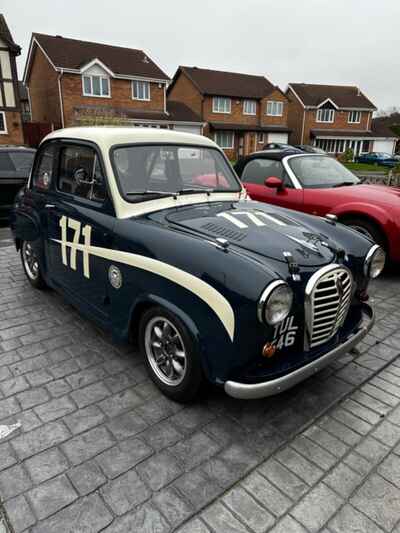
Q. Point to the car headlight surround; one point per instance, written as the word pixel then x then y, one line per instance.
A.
pixel 275 303
pixel 374 262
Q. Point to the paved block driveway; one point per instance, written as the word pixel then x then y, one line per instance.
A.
pixel 100 449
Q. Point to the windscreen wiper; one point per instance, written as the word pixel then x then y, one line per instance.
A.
pixel 344 183
pixel 194 190
pixel 159 193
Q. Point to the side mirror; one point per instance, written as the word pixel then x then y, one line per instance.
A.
pixel 274 183
pixel 81 177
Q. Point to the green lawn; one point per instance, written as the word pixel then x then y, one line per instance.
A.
pixel 359 167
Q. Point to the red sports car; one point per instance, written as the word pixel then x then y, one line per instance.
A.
pixel 319 185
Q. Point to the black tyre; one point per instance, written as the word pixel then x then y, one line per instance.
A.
pixel 31 265
pixel 367 228
pixel 170 354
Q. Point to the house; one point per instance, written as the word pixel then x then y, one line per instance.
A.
pixel 72 82
pixel 241 112
pixel 334 118
pixel 389 126
pixel 10 114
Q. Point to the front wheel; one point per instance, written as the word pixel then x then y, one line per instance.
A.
pixel 170 354
pixel 31 265
pixel 367 228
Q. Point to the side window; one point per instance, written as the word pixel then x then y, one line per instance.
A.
pixel 80 173
pixel 44 168
pixel 257 170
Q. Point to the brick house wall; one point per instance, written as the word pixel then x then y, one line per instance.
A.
pixel 44 91
pixel 295 118
pixel 236 116
pixel 267 120
pixel 14 133
pixel 121 97
pixel 185 91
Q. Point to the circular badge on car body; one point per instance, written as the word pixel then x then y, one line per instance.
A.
pixel 115 277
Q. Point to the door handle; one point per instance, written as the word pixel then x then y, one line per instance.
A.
pixel 49 206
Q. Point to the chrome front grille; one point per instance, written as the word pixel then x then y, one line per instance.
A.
pixel 328 298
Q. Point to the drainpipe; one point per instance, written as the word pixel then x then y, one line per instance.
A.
pixel 60 97
pixel 302 128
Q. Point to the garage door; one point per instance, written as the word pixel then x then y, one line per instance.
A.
pixel 278 138
pixel 384 145
pixel 189 129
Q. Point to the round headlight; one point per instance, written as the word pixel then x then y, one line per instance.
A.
pixel 374 262
pixel 275 303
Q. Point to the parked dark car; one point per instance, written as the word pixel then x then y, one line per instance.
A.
pixel 378 158
pixel 309 149
pixel 15 166
pixel 278 146
pixel 151 234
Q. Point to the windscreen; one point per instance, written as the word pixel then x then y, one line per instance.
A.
pixel 171 169
pixel 16 164
pixel 318 172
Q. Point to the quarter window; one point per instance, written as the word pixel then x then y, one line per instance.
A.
pixel 3 124
pixel 96 86
pixel 80 173
pixel 43 172
pixel 258 170
pixel 274 109
pixel 221 105
pixel 249 107
pixel 224 139
pixel 325 115
pixel 140 90
pixel 354 117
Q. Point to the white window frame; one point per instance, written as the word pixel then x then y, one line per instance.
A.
pixel 224 132
pixel 331 115
pixel 274 108
pixel 5 131
pixel 145 84
pixel 260 137
pixel 351 117
pixel 217 108
pixel 250 103
pixel 91 76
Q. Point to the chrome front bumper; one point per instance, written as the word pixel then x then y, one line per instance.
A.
pixel 247 391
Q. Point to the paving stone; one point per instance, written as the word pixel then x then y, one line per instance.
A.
pixel 288 525
pixel 125 493
pixel 127 425
pixel 90 394
pixel 317 507
pixel 64 369
pixel 159 470
pixel 354 374
pixel 123 401
pixel 7 456
pixel 33 397
pixel 390 469
pixel 11 386
pixel 86 377
pixel 8 407
pixel 372 403
pixel 387 433
pixel 358 463
pixel 58 388
pixel 379 500
pixel 349 520
pixel 326 440
pixel 283 478
pixel 261 489
pixel 220 471
pixel 146 519
pixel 220 519
pixel 197 488
pixel 87 477
pixel 123 457
pixel 14 481
pixel 248 510
pixel 339 430
pixel 318 455
pixel 38 440
pixel 19 513
pixel 361 411
pixel 46 465
pixel 192 418
pixel 39 377
pixel 161 435
pixel 86 515
pixel 343 480
pixel 54 409
pixel 172 506
pixel 299 465
pixel 194 526
pixel 155 410
pixel 87 445
pixel 224 430
pixel 195 449
pixel 386 386
pixel 51 496
pixel 84 419
pixel 353 422
pixel 394 416
pixel 372 449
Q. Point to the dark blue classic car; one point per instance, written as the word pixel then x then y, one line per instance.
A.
pixel 150 234
pixel 378 158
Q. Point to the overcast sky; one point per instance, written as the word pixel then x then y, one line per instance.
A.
pixel 353 42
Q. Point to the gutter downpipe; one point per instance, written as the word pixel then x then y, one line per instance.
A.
pixel 60 97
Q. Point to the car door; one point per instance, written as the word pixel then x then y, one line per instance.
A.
pixel 80 218
pixel 254 174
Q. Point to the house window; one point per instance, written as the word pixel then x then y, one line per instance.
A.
pixel 3 124
pixel 221 105
pixel 325 115
pixel 96 86
pixel 140 90
pixel 260 138
pixel 274 109
pixel 224 139
pixel 249 107
pixel 354 117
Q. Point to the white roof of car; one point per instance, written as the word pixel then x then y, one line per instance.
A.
pixel 107 136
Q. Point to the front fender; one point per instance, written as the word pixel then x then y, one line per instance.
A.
pixel 376 213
